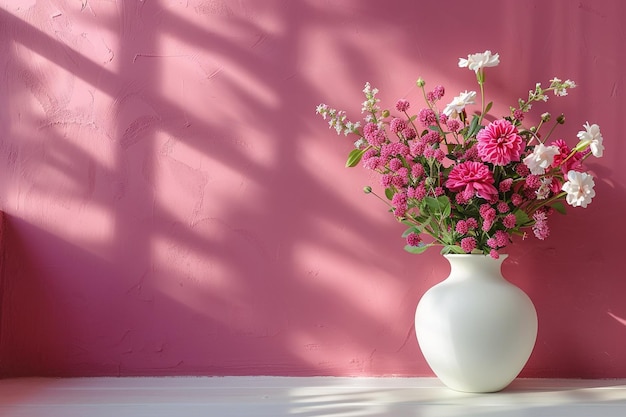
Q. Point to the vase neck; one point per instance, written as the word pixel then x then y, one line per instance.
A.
pixel 475 267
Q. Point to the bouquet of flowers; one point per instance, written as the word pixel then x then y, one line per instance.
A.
pixel 468 183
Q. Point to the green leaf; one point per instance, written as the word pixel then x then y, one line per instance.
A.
pixel 452 249
pixel 416 249
pixel 354 157
pixel 412 229
pixel 433 204
pixel 444 205
pixel 389 193
pixel 521 218
pixel 558 206
pixel 474 127
pixel 423 220
pixel 436 128
pixel 489 105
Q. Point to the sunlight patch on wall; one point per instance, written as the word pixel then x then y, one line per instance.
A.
pixel 360 286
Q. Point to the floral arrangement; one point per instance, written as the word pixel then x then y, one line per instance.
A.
pixel 470 184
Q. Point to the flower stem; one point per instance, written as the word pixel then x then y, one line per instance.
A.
pixel 481 82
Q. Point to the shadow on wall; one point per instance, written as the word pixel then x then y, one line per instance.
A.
pixel 170 212
pixel 168 223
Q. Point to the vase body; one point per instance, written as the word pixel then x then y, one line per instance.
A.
pixel 475 329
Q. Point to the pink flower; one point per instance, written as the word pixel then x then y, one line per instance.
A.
pixel 403 172
pixel 487 212
pixel 462 199
pixel 440 155
pixel 499 143
pixel 454 125
pixel 439 92
pixel 472 177
pixel 503 207
pixel 555 186
pixel 399 201
pixel 502 238
pixel 372 152
pixel 509 221
pixel 374 135
pixel 517 199
pixel 395 164
pixel 540 228
pixel 505 185
pixel 468 244
pixel 397 125
pixel 417 170
pixel 573 163
pixel 522 170
pixel 461 227
pixel 372 163
pixel 436 94
pixel 413 239
pixel 393 149
pixel 471 154
pixel 409 133
pixel 432 137
pixel 402 105
pixel 400 179
pixel 429 152
pixel 532 181
pixel 417 148
pixel 427 117
pixel 420 192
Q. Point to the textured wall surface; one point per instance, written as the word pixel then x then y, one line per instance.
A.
pixel 174 205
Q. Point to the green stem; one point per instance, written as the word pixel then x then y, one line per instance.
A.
pixel 381 199
pixel 481 82
pixel 534 208
pixel 550 132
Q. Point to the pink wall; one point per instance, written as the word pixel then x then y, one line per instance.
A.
pixel 174 206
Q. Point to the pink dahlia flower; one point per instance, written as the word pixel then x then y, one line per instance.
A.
pixel 561 159
pixel 472 177
pixel 499 143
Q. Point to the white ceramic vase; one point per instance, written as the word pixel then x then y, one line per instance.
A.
pixel 476 329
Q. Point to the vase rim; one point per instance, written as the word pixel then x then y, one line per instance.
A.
pixel 462 255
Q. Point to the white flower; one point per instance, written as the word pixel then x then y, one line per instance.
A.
pixel 477 61
pixel 543 191
pixel 360 144
pixel 459 102
pixel 579 189
pixel 322 109
pixel 368 90
pixel 541 158
pixel 561 87
pixel 351 127
pixel 591 137
pixel 370 104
